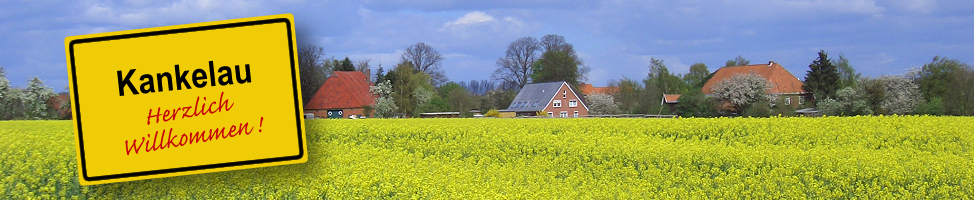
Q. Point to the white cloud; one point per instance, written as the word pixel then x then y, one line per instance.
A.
pixel 914 6
pixel 475 17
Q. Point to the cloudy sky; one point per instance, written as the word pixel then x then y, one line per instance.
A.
pixel 615 38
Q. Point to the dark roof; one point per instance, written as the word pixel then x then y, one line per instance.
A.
pixel 783 82
pixel 343 89
pixel 536 96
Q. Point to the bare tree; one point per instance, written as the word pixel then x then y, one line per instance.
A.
pixel 426 59
pixel 552 42
pixel 312 63
pixel 515 67
pixel 362 66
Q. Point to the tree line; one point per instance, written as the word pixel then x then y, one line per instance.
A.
pixel 36 102
pixel 417 83
pixel 941 87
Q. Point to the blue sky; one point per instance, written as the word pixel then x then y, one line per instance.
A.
pixel 615 38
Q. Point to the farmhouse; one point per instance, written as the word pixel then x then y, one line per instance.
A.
pixel 588 89
pixel 785 85
pixel 344 94
pixel 556 99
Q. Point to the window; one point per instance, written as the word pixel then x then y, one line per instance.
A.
pixel 557 104
pixel 563 114
pixel 801 101
pixel 550 114
pixel 576 113
pixel 572 103
pixel 787 100
pixel 535 104
pixel 564 94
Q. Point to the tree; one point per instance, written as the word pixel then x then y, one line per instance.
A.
pixel 380 75
pixel 4 84
pixel 949 80
pixel 934 106
pixel 742 90
pixel 698 72
pixel 661 77
pixel 902 95
pixel 411 89
pixel 695 104
pixel 553 43
pixel 402 87
pixel 555 66
pixel 739 61
pixel 427 60
pixel 850 102
pixel 629 95
pixel 961 100
pixel 37 96
pixel 460 101
pixel 822 78
pixel 362 65
pixel 313 70
pixel 384 105
pixel 874 92
pixel 515 67
pixel 602 104
pixel 10 98
pixel 345 65
pixel 497 99
pixel 847 74
pixel 456 98
pixel 479 88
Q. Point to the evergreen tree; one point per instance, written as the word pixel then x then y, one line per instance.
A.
pixel 345 65
pixel 822 78
pixel 380 75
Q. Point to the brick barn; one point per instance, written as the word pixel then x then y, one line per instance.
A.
pixel 344 94
pixel 557 99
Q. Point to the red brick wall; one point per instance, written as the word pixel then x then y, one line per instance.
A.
pixel 569 95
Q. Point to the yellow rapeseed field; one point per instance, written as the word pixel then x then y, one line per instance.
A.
pixel 886 157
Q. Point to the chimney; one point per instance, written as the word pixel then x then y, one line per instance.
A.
pixel 770 63
pixel 368 75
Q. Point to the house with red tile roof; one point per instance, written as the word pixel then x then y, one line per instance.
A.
pixel 670 100
pixel 588 89
pixel 783 83
pixel 344 94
